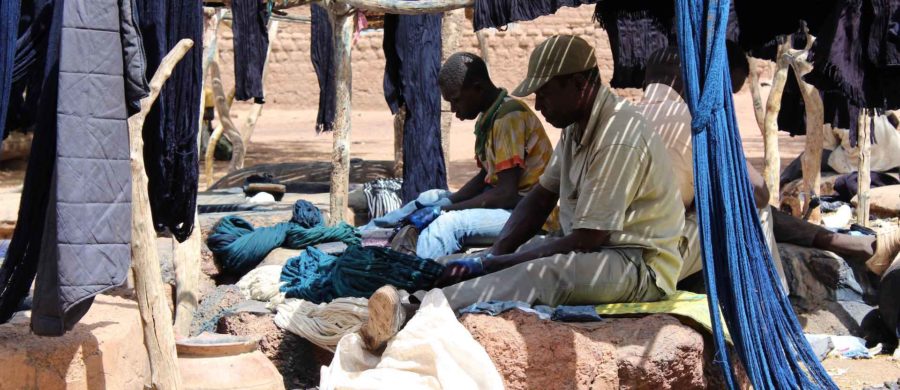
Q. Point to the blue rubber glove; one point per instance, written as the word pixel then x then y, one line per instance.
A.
pixel 424 216
pixel 460 270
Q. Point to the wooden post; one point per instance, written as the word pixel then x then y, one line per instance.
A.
pixel 815 121
pixel 450 33
pixel 399 122
pixel 224 111
pixel 343 20
pixel 159 337
pixel 758 108
pixel 863 143
pixel 186 258
pixel 772 169
pixel 214 138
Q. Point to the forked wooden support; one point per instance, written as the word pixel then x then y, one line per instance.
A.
pixel 758 110
pixel 343 21
pixel 815 121
pixel 863 143
pixel 223 109
pixel 159 336
pixel 773 106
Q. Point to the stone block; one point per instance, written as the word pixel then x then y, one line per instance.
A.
pixel 105 350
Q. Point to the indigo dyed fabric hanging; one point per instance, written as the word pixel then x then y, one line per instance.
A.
pixel 636 29
pixel 9 31
pixel 412 48
pixel 322 55
pixel 251 41
pixel 741 279
pixel 171 127
pixel 499 13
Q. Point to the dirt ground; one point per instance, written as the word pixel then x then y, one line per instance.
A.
pixel 863 373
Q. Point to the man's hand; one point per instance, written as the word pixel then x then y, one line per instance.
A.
pixel 459 271
pixel 423 217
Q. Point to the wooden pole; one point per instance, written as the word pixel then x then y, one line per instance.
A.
pixel 208 165
pixel 863 143
pixel 758 108
pixel 815 121
pixel 399 122
pixel 773 106
pixel 224 111
pixel 343 20
pixel 450 33
pixel 404 7
pixel 159 337
pixel 187 280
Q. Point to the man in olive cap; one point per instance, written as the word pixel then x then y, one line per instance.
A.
pixel 620 208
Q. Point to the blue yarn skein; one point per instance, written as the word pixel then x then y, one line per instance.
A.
pixel 238 247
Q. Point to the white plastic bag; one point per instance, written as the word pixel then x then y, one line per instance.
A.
pixel 433 351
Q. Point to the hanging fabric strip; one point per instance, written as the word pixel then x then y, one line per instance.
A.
pixel 321 53
pixel 636 29
pixel 499 13
pixel 251 41
pixel 412 47
pixel 171 127
pixel 9 31
pixel 742 283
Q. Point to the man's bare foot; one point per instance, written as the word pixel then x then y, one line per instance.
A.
pixel 386 316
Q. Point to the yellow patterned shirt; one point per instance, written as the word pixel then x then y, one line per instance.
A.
pixel 517 139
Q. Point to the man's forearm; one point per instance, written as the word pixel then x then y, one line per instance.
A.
pixel 494 198
pixel 576 242
pixel 471 189
pixel 526 220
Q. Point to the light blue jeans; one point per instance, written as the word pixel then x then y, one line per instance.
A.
pixel 448 232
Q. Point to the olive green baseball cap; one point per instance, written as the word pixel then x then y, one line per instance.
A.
pixel 558 55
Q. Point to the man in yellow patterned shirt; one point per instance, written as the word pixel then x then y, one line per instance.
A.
pixel 511 148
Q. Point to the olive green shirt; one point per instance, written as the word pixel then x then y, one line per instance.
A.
pixel 615 175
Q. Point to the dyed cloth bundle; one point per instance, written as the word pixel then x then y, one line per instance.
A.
pixel 171 127
pixel 383 196
pixel 321 52
pixel 412 51
pixel 251 41
pixel 238 247
pixel 318 277
pixel 499 13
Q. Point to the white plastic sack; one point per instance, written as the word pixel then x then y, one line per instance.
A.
pixel 433 351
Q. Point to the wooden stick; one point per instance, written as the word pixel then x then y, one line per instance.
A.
pixel 758 108
pixel 343 21
pixel 399 122
pixel 865 170
pixel 256 109
pixel 815 121
pixel 773 106
pixel 208 165
pixel 159 337
pixel 187 280
pixel 224 111
pixel 450 33
pixel 403 7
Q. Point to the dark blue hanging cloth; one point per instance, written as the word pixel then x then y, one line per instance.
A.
pixel 499 13
pixel 321 53
pixel 9 31
pixel 171 127
pixel 251 41
pixel 73 233
pixel 412 49
pixel 636 29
